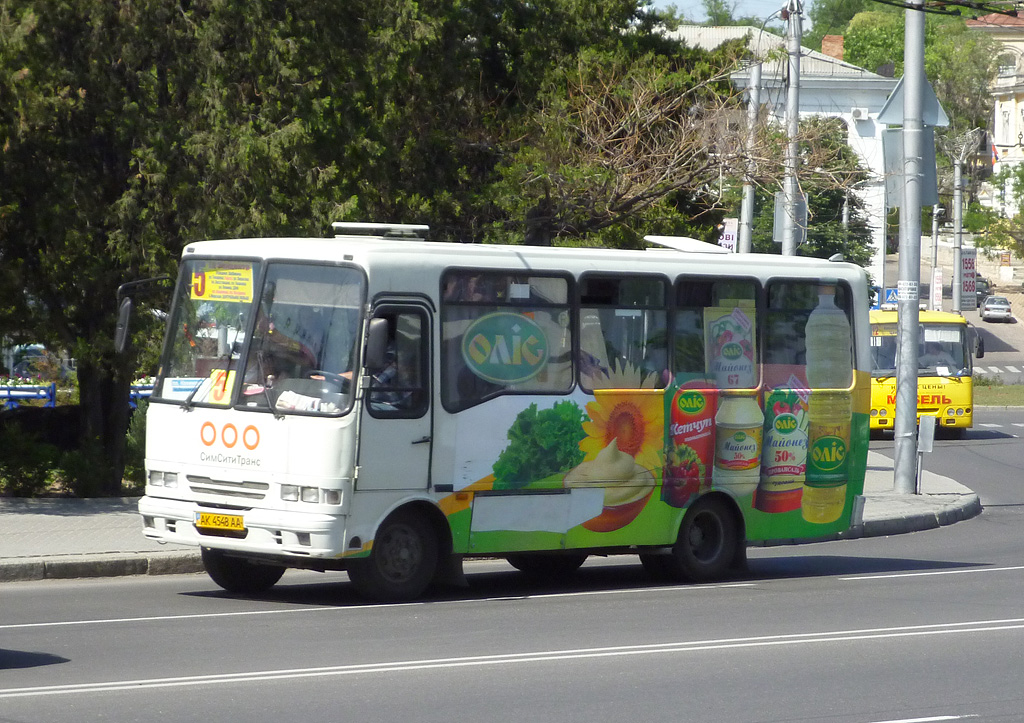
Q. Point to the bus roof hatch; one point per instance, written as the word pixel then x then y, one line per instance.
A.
pixel 408 231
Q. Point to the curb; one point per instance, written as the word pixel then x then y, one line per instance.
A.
pixel 949 509
pixel 946 513
pixel 65 567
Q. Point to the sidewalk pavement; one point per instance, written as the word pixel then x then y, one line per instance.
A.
pixel 71 538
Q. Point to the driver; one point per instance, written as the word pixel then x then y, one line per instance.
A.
pixel 936 356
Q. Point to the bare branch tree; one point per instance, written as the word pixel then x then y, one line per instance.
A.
pixel 621 139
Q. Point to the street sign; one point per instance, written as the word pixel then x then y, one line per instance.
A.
pixel 891 296
pixel 968 289
pixel 936 289
pixel 730 228
pixel 932 112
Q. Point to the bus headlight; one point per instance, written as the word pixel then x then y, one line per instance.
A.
pixel 289 493
pixel 310 494
pixel 163 479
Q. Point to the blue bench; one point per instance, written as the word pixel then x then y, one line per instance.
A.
pixel 13 395
pixel 139 392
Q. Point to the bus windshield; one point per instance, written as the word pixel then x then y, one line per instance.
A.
pixel 942 350
pixel 304 323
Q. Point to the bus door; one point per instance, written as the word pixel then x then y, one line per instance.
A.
pixel 396 426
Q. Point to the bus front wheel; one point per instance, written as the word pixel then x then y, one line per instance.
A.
pixel 402 562
pixel 707 543
pixel 238 575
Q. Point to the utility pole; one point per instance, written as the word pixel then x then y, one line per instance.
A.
pixel 747 209
pixel 958 236
pixel 959 149
pixel 793 12
pixel 909 280
pixel 936 212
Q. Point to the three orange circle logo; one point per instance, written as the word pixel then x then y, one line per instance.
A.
pixel 229 435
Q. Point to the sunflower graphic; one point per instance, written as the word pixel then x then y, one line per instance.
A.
pixel 635 420
pixel 622 448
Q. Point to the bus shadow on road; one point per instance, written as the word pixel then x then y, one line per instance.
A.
pixel 12 659
pixel 595 577
pixel 797 566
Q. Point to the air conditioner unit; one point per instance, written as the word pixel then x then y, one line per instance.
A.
pixel 859 114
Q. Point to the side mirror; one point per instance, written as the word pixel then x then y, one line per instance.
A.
pixel 122 333
pixel 376 345
pixel 981 348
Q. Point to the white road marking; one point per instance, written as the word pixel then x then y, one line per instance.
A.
pixel 371 606
pixel 1015 370
pixel 928 720
pixel 539 656
pixel 933 573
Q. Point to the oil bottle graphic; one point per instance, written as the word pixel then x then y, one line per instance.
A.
pixel 829 374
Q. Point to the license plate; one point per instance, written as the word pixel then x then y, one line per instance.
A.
pixel 218 521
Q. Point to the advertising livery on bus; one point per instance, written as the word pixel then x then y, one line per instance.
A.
pixel 945 382
pixel 387 406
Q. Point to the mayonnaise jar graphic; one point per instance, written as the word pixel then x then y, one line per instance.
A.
pixel 784 454
pixel 738 429
pixel 729 345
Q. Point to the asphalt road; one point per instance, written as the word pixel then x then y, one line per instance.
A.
pixel 1004 349
pixel 926 626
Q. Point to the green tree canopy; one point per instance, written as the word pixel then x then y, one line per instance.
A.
pixel 129 129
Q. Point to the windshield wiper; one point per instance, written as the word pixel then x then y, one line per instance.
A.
pixel 266 392
pixel 226 359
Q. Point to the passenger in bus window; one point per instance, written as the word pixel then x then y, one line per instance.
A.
pixel 392 385
pixel 464 287
pixel 936 356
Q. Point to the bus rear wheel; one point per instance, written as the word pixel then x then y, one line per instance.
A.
pixel 402 562
pixel 543 566
pixel 707 542
pixel 706 548
pixel 238 575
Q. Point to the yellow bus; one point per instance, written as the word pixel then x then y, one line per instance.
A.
pixel 945 384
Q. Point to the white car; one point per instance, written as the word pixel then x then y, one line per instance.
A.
pixel 996 308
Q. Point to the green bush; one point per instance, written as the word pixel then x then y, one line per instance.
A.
pixel 135 449
pixel 85 471
pixel 28 467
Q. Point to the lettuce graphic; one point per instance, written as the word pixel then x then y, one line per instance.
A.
pixel 541 443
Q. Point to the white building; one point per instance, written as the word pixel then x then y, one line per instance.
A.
pixel 828 87
pixel 1007 131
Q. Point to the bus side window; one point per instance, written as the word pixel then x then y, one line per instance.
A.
pixel 399 389
pixel 623 332
pixel 503 333
pixel 790 304
pixel 715 332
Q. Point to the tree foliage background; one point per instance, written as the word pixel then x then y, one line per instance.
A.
pixel 129 128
